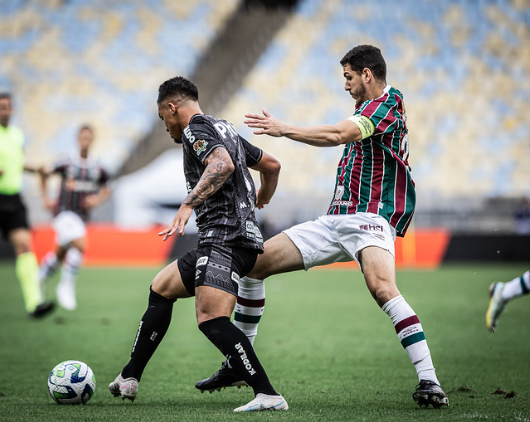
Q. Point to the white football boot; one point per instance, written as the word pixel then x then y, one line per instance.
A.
pixel 264 402
pixel 127 388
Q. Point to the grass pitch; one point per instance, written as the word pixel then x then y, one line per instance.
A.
pixel 326 346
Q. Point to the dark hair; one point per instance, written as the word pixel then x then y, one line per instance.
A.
pixel 366 56
pixel 5 96
pixel 177 87
pixel 85 127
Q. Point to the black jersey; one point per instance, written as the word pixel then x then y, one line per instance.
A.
pixel 227 217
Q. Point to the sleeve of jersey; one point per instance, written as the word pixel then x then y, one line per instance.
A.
pixel 380 113
pixel 253 154
pixel 365 125
pixel 203 144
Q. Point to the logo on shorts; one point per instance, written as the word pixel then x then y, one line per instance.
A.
pixel 371 227
pixel 203 260
pixel 235 277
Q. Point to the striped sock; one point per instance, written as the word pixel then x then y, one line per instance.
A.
pixel 411 336
pixel 250 306
pixel 517 287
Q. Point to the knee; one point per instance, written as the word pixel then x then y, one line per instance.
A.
pixel 382 291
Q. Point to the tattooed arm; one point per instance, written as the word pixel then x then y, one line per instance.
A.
pixel 219 167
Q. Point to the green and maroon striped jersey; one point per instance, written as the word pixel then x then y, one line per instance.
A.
pixel 373 174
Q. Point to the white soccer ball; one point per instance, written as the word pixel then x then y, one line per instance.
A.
pixel 71 382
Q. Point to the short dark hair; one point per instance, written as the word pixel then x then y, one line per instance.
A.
pixel 86 126
pixel 177 87
pixel 6 96
pixel 366 56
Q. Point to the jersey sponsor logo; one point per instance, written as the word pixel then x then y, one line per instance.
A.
pixel 342 203
pixel 203 260
pixel 371 227
pixel 244 359
pixel 225 128
pixel 200 146
pixel 253 231
pixel 189 135
pixel 73 185
pixel 235 277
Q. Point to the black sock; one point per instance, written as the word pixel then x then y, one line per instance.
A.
pixel 153 327
pixel 231 341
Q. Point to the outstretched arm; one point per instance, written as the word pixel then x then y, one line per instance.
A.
pixel 219 167
pixel 269 168
pixel 319 136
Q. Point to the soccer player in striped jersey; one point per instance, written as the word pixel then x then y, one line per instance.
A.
pixel 502 293
pixel 373 201
pixel 83 186
pixel 13 219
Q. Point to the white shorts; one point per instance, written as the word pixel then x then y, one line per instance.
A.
pixel 340 238
pixel 68 226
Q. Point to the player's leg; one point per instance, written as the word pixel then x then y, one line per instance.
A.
pixel 27 270
pixel 166 287
pixel 70 234
pixel 216 288
pixel 378 267
pixel 502 293
pixel 280 255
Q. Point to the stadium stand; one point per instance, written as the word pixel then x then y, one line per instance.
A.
pixel 463 66
pixel 97 61
pixel 69 62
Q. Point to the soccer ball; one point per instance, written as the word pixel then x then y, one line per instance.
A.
pixel 71 382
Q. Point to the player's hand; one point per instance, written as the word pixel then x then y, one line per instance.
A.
pixel 91 201
pixel 261 202
pixel 267 124
pixel 49 204
pixel 178 223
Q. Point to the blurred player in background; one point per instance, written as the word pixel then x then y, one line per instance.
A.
pixel 13 219
pixel 83 186
pixel 223 195
pixel 374 201
pixel 501 294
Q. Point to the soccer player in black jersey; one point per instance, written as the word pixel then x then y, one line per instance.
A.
pixel 223 195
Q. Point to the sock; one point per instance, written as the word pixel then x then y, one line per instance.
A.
pixel 250 306
pixel 66 287
pixel 48 266
pixel 411 336
pixel 517 287
pixel 153 328
pixel 232 343
pixel 27 270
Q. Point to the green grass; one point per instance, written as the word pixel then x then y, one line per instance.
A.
pixel 326 346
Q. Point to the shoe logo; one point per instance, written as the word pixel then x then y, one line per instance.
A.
pixel 243 356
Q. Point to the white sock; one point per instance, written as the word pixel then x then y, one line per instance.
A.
pixel 48 266
pixel 66 287
pixel 411 336
pixel 517 287
pixel 250 306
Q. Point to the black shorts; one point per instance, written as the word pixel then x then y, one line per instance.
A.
pixel 216 266
pixel 12 214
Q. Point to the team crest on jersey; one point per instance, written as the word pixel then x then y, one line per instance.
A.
pixel 339 192
pixel 200 146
